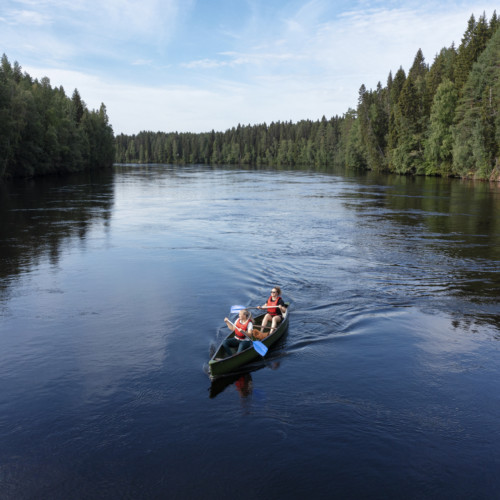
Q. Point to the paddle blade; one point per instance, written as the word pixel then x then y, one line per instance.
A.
pixel 260 347
pixel 235 309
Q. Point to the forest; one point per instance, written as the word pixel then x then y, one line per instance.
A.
pixel 43 131
pixel 441 119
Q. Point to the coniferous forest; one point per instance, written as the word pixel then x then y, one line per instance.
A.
pixel 43 131
pixel 440 119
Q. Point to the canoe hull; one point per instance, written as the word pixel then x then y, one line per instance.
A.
pixel 231 364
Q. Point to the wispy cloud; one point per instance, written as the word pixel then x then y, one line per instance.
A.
pixel 234 59
pixel 205 64
pixel 91 27
pixel 26 18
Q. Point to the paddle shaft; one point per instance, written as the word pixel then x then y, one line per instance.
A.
pixel 258 327
pixel 235 309
pixel 263 307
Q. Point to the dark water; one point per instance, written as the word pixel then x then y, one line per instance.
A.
pixel 113 290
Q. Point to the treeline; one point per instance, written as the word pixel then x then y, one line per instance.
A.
pixel 442 119
pixel 43 131
pixel 281 143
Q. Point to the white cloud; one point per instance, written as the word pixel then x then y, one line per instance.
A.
pixel 27 18
pixel 205 64
pixel 91 27
pixel 234 59
pixel 149 18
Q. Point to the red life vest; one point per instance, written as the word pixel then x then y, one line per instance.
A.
pixel 241 326
pixel 273 311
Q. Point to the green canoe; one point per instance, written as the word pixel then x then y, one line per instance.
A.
pixel 221 364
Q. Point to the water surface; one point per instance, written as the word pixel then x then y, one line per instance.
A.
pixel 113 291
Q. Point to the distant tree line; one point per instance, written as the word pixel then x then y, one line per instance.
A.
pixel 44 131
pixel 281 143
pixel 442 119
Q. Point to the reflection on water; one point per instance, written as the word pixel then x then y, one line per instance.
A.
pixel 241 382
pixel 433 237
pixel 39 215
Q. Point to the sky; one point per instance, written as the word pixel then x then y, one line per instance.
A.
pixel 201 65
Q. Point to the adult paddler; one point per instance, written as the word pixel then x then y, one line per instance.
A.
pixel 242 329
pixel 275 310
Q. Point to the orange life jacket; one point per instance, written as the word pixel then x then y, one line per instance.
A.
pixel 241 326
pixel 273 311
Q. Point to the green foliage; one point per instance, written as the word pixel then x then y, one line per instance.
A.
pixel 441 69
pixel 439 143
pixel 353 151
pixel 373 115
pixel 410 114
pixel 473 43
pixel 277 144
pixel 477 131
pixel 43 131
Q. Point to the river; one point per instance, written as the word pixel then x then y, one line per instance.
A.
pixel 113 290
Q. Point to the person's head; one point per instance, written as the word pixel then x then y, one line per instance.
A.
pixel 275 291
pixel 244 314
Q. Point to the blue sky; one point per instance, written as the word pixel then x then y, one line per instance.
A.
pixel 194 66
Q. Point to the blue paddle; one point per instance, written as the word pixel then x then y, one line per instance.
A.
pixel 257 345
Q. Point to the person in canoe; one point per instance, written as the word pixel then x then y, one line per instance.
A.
pixel 244 324
pixel 275 310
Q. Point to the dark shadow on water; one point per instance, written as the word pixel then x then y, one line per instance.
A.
pixel 242 380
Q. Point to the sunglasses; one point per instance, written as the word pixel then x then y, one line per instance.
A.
pixel 274 291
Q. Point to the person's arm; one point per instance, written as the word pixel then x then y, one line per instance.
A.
pixel 282 306
pixel 229 325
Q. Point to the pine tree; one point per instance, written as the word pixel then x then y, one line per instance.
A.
pixel 78 106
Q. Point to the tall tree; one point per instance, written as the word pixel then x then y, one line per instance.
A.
pixel 477 130
pixel 438 146
pixel 78 106
pixel 473 43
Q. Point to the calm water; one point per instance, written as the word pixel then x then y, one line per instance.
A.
pixel 113 291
